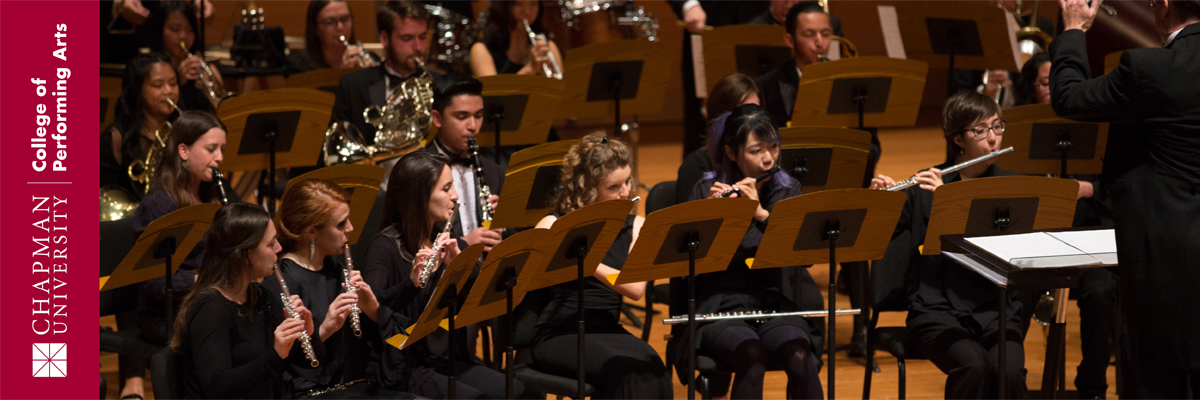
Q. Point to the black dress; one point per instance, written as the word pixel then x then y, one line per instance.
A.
pixel 114 172
pixel 954 312
pixel 318 289
pixel 228 351
pixel 617 363
pixel 500 58
pixel 422 367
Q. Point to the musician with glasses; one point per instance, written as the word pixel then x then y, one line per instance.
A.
pixel 953 316
pixel 174 22
pixel 505 48
pixel 403 31
pixel 327 22
pixel 747 147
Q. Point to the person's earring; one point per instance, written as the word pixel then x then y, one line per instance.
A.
pixel 312 249
pixel 185 164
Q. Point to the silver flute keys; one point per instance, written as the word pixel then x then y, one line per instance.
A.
pixel 427 269
pixel 482 191
pixel 355 322
pixel 913 179
pixel 552 70
pixel 286 296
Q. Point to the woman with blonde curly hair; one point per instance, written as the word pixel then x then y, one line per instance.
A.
pixel 617 363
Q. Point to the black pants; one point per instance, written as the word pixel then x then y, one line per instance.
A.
pixel 618 365
pixel 472 381
pixel 1097 297
pixel 752 350
pixel 969 360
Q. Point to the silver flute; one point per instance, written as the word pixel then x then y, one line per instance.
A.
pixel 482 191
pixel 305 341
pixel 904 184
pixel 552 70
pixel 427 269
pixel 754 315
pixel 354 311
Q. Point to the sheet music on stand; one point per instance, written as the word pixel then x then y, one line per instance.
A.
pixel 1052 249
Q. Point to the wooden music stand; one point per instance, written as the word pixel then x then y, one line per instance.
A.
pixel 581 239
pixel 442 306
pixel 809 229
pixel 185 226
pixel 532 175
pixel 998 206
pixel 1043 143
pixel 1112 60
pixel 825 158
pixel 276 128
pixel 749 49
pixel 860 92
pixel 688 239
pixel 599 79
pixel 521 107
pixel 500 278
pixel 953 34
pixel 362 181
pixel 325 79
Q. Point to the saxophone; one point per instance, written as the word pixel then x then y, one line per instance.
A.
pixel 482 191
pixel 427 269
pixel 354 311
pixel 305 341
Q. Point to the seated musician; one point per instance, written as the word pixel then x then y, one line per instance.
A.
pixel 953 317
pixel 747 147
pixel 731 91
pixel 777 11
pixel 617 364
pixel 326 23
pixel 403 30
pixel 808 36
pixel 232 335
pixel 174 22
pixel 458 114
pixel 142 109
pixel 505 48
pixel 393 267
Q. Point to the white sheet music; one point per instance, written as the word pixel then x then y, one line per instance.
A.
pixel 890 24
pixel 1034 250
pixel 1101 244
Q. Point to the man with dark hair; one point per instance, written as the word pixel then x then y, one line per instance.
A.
pixel 808 35
pixel 403 29
pixel 777 12
pixel 458 114
pixel 1152 175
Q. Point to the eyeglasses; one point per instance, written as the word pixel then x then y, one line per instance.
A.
pixel 979 133
pixel 331 21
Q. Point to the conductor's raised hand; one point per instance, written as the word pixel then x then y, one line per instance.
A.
pixel 1079 14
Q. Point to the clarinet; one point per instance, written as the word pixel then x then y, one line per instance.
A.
pixel 219 179
pixel 427 269
pixel 354 311
pixel 482 191
pixel 305 342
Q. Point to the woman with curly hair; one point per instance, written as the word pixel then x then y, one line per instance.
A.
pixel 617 363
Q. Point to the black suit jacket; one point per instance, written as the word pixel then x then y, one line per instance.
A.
pixel 778 87
pixel 492 175
pixel 1152 173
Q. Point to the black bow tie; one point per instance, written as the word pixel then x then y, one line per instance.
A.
pixel 463 161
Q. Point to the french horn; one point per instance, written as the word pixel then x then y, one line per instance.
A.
pixel 400 124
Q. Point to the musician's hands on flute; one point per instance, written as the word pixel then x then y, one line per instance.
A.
pixel 335 317
pixel 289 330
pixel 367 302
pixel 882 182
pixel 1078 14
pixel 929 179
pixel 449 251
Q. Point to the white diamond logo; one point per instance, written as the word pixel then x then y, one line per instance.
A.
pixel 49 360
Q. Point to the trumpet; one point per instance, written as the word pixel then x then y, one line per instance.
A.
pixel 214 89
pixel 427 269
pixel 362 55
pixel 305 341
pixel 355 322
pixel 482 190
pixel 552 70
pixel 913 179
pixel 149 166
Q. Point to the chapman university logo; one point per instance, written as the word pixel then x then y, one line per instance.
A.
pixel 49 360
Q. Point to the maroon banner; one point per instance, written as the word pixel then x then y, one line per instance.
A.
pixel 49 102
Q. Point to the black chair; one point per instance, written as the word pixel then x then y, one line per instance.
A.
pixel 888 292
pixel 165 374
pixel 661 196
pixel 127 340
pixel 525 317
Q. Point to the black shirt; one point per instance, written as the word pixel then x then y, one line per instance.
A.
pixel 228 351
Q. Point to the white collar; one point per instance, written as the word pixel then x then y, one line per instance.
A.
pixel 1171 38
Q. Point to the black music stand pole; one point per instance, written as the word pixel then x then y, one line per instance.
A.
pixel 578 251
pixel 832 230
pixel 271 136
pixel 616 91
pixel 692 244
pixel 166 248
pixel 509 281
pixel 497 116
pixel 450 301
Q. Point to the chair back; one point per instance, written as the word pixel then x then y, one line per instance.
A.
pixel 661 196
pixel 889 275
